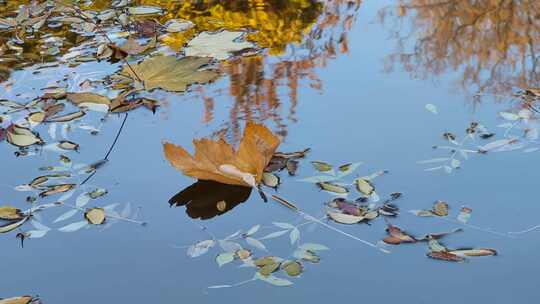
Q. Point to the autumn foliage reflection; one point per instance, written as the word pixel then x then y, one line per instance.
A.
pixel 492 44
pixel 265 86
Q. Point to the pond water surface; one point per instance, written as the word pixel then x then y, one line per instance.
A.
pixel 349 80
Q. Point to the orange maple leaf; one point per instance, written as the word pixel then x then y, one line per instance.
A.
pixel 218 161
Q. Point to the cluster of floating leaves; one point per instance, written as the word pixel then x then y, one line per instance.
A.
pixel 518 131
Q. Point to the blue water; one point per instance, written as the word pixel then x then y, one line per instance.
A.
pixel 361 114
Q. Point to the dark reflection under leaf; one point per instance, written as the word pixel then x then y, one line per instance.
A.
pixel 207 199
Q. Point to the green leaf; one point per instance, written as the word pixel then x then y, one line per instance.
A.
pixel 224 258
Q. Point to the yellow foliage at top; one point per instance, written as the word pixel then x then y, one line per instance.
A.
pixel 276 23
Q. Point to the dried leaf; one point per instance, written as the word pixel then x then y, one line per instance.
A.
pixel 331 187
pixel 445 256
pixel 343 218
pixel 168 73
pixel 22 137
pixel 440 208
pixel 9 213
pixel 18 300
pixel 397 236
pixel 321 166
pixel 95 216
pixel 270 180
pixel 364 186
pixel 256 149
pixel 464 214
pixel 4 228
pixel 474 252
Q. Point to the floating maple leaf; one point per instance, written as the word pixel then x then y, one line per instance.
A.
pixel 218 161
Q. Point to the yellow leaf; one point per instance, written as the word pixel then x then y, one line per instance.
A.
pixel 218 161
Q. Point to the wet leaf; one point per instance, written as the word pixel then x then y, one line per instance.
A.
pixel 168 73
pixel 364 186
pixel 274 235
pixel 256 243
pixel 274 280
pixel 18 300
pixel 97 193
pixel 294 236
pixel 464 214
pixel 307 255
pixel 397 236
pixel 69 214
pixel 440 208
pixel 82 200
pixel 22 137
pixel 321 166
pixel 292 268
pixel 243 254
pixel 313 247
pixel 432 108
pixel 256 149
pixel 132 47
pixel 9 213
pixel 178 25
pixel 57 189
pixel 224 258
pixel 4 228
pixel 332 187
pixel 84 100
pixel 36 117
pixel 95 216
pixel 270 180
pixel 343 218
pixel 445 256
pixel 68 145
pixel 145 10
pixel 220 45
pixel 200 248
pixel 74 226
pixel 474 252
pixel 292 155
pixel 67 117
pixel 253 230
pixel 292 167
pixel 435 246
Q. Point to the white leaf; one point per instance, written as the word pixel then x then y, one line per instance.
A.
pixel 73 226
pixel 294 236
pixel 433 160
pixel 318 179
pixel 432 108
pixel 529 150
pixel 229 246
pixel 127 211
pixel 200 248
pixel 455 163
pixel 434 168
pixel 496 144
pixel 39 226
pixel 509 116
pixel 283 225
pixel 220 45
pixel 66 215
pixel 274 235
pixel 66 196
pixel 224 258
pixel 219 286
pixel 237 233
pixel 256 243
pixel 505 125
pixel 273 280
pixel 447 169
pixel 313 247
pixel 253 230
pixel 24 188
pixel 82 200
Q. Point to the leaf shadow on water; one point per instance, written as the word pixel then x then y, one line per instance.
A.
pixel 207 199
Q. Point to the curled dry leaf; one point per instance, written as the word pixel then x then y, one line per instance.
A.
pixel 364 186
pixel 332 187
pixel 22 137
pixel 270 180
pixel 220 45
pixel 474 252
pixel 208 163
pixel 440 208
pixel 397 236
pixel 10 226
pixel 88 100
pixel 321 166
pixel 57 189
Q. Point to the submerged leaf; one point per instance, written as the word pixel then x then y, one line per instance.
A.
pixel 224 258
pixel 200 248
pixel 321 166
pixel 74 226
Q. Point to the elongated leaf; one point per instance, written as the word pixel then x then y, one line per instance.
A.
pixel 69 214
pixel 224 258
pixel 256 243
pixel 253 230
pixel 294 236
pixel 313 247
pixel 74 226
pixel 200 248
pixel 274 235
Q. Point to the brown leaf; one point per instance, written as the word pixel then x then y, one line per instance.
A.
pixel 445 256
pixel 218 161
pixel 397 236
